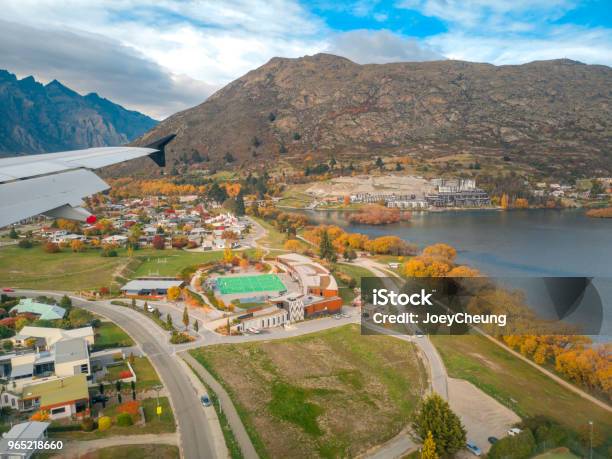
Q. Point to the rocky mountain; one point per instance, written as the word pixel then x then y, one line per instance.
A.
pixel 37 118
pixel 548 114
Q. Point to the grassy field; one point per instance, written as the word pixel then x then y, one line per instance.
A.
pixel 135 452
pixel 516 384
pixel 34 268
pixel 109 335
pixel 146 376
pixel 356 272
pixel 559 453
pixel 328 394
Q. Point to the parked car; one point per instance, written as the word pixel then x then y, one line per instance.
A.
pixel 99 398
pixel 472 448
pixel 337 316
pixel 514 431
pixel 150 308
pixel 254 331
pixel 493 440
pixel 345 315
pixel 205 400
pixel 8 290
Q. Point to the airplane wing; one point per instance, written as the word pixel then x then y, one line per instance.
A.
pixel 54 184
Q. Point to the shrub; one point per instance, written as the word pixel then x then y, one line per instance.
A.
pixel 51 247
pixel 520 446
pixel 104 423
pixel 180 338
pixel 125 374
pixel 130 407
pixel 25 244
pixel 87 425
pixel 124 420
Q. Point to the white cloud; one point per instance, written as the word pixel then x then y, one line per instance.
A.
pixel 381 46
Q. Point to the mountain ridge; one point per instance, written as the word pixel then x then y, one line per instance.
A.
pixel 39 118
pixel 326 105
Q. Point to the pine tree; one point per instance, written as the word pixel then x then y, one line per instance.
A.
pixel 196 325
pixel 169 320
pixel 435 416
pixel 185 317
pixel 133 303
pixel 428 451
pixel 326 248
pixel 240 210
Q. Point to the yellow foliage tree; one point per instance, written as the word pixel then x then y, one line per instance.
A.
pixel 428 451
pixel 77 245
pixel 521 203
pixel 440 251
pixel 228 255
pixel 505 201
pixel 463 271
pixel 293 245
pixel 173 293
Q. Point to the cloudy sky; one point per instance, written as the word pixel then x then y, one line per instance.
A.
pixel 162 56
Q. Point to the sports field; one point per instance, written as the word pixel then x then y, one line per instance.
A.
pixel 248 284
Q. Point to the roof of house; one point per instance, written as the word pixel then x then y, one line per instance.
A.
pixel 32 430
pixel 53 335
pixel 70 350
pixel 45 311
pixel 151 284
pixel 58 391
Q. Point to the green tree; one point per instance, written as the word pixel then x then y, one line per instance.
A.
pixel 13 233
pixel 240 210
pixel 169 320
pixel 326 248
pixel 436 416
pixel 428 451
pixel 133 303
pixel 185 317
pixel 79 317
pixel 379 163
pixel 65 302
pixel 196 325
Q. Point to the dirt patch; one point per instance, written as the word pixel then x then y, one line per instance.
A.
pixel 482 416
pixel 487 362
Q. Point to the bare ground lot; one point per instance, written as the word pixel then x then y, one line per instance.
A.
pixel 328 394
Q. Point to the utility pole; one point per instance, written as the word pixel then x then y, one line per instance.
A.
pixel 591 438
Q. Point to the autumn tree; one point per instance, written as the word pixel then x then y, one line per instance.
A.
pixel 228 255
pixel 76 245
pixel 159 243
pixel 428 451
pixel 174 293
pixel 505 201
pixel 443 252
pixel 436 418
pixel 292 245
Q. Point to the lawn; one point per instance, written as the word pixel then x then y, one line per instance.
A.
pixel 333 393
pixel 516 384
pixel 558 453
pixel 135 452
pixel 113 371
pixel 146 376
pixel 246 284
pixel 154 424
pixel 172 262
pixel 356 272
pixel 109 335
pixel 34 268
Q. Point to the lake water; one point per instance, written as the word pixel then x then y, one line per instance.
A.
pixel 525 243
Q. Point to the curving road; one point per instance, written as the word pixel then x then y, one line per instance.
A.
pixel 195 434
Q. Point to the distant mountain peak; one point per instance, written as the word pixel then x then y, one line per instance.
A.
pixel 36 118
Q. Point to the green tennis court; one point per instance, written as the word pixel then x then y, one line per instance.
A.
pixel 247 284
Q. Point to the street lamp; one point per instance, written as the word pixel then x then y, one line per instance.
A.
pixel 591 438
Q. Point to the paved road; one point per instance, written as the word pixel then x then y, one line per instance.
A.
pixel 242 437
pixel 194 431
pixel 437 370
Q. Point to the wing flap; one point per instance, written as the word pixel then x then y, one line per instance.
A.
pixel 24 198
